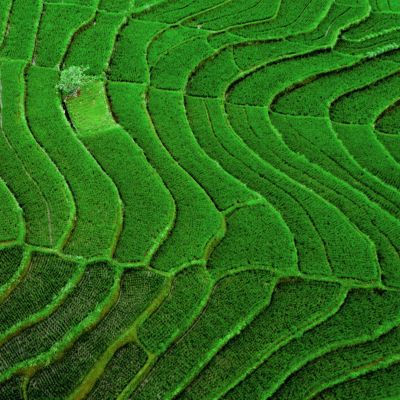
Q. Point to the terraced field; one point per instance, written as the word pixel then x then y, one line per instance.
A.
pixel 216 215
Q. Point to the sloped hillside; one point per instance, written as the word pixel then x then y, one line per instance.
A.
pixel 215 215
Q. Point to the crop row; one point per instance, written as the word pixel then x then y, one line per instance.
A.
pixel 148 209
pixel 365 315
pixel 60 378
pixel 47 204
pixel 197 219
pixel 10 259
pixel 346 198
pixel 98 207
pixel 79 304
pixel 219 321
pixel 312 236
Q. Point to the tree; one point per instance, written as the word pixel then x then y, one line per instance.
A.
pixel 72 80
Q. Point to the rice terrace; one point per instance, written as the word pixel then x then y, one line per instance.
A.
pixel 200 199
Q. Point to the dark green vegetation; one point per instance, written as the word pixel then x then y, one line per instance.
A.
pixel 215 214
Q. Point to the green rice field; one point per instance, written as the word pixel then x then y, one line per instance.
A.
pixel 214 214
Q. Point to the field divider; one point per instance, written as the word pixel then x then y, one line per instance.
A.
pixel 373 366
pixel 19 239
pixel 265 177
pixel 332 346
pixel 163 235
pixel 29 367
pixel 120 203
pixel 162 153
pixel 18 276
pixel 89 134
pixel 332 159
pixel 232 332
pixel 35 184
pixel 232 155
pixel 47 310
pixel 320 353
pixel 130 335
pixel 318 318
pixel 69 194
pixel 6 26
pixel 118 231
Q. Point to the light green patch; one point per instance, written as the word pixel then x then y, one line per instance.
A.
pixel 89 110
